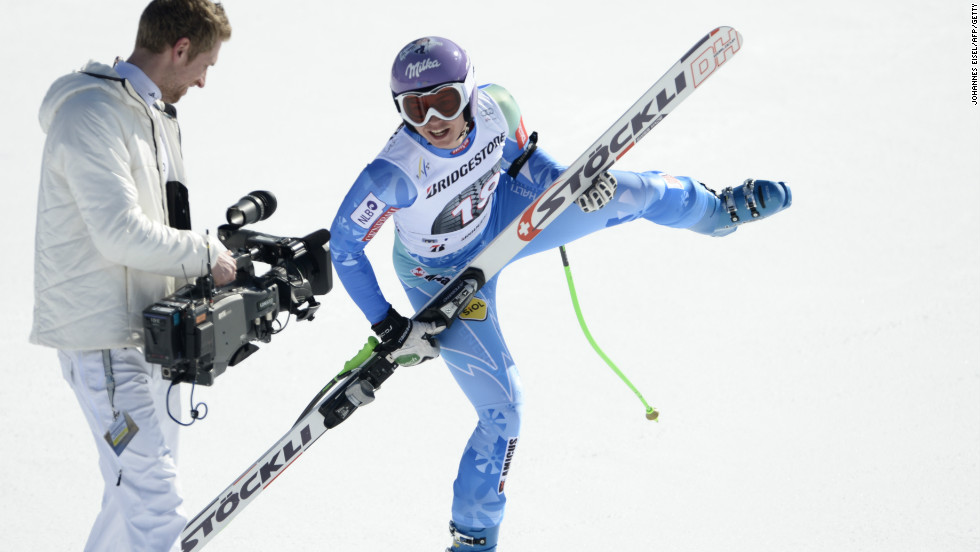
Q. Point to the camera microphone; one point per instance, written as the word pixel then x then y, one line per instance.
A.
pixel 256 206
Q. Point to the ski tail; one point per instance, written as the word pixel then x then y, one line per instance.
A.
pixel 350 386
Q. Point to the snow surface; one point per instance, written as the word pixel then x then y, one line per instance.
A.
pixel 818 374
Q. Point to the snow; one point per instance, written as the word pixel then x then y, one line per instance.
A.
pixel 817 374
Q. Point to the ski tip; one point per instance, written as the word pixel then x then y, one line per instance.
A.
pixel 727 33
pixel 729 37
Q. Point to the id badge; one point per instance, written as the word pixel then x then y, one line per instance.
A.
pixel 121 432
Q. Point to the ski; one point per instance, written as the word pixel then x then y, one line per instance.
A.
pixel 307 429
pixel 355 385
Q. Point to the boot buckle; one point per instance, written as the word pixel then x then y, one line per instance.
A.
pixel 749 194
pixel 728 200
pixel 461 538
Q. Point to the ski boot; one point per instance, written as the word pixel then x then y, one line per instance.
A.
pixel 753 200
pixel 473 540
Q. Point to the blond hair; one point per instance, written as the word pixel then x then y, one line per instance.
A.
pixel 164 22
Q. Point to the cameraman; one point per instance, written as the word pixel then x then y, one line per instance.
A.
pixel 113 232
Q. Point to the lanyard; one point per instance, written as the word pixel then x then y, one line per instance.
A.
pixel 110 382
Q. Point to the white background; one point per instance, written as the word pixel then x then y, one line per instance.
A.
pixel 818 373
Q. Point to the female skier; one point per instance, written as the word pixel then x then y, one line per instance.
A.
pixel 443 178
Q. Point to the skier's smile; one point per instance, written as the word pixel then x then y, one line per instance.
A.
pixel 444 134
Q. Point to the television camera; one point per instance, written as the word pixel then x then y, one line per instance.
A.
pixel 197 332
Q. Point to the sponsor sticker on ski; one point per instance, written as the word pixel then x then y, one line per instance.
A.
pixel 476 310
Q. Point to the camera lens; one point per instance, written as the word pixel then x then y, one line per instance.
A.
pixel 256 206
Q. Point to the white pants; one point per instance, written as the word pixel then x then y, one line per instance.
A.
pixel 142 504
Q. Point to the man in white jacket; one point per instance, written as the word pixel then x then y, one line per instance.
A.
pixel 113 232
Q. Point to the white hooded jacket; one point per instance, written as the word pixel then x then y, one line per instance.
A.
pixel 103 248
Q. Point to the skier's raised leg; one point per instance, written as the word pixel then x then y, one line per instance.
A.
pixel 676 202
pixel 683 202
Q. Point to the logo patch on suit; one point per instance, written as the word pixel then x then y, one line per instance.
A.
pixel 368 212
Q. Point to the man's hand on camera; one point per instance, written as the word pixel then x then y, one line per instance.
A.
pixel 224 269
pixel 408 342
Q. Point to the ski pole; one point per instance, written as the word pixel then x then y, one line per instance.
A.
pixel 651 412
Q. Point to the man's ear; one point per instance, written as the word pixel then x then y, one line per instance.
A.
pixel 180 49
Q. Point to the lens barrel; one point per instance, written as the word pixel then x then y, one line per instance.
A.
pixel 256 206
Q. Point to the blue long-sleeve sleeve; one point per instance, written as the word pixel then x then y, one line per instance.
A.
pixel 379 191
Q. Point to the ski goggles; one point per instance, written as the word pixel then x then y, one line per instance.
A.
pixel 446 102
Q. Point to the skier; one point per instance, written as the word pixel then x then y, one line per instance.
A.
pixel 452 177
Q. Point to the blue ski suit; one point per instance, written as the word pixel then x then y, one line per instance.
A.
pixel 447 206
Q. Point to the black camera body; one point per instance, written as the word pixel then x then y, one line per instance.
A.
pixel 197 332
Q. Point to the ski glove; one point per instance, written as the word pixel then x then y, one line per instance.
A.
pixel 405 341
pixel 597 195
